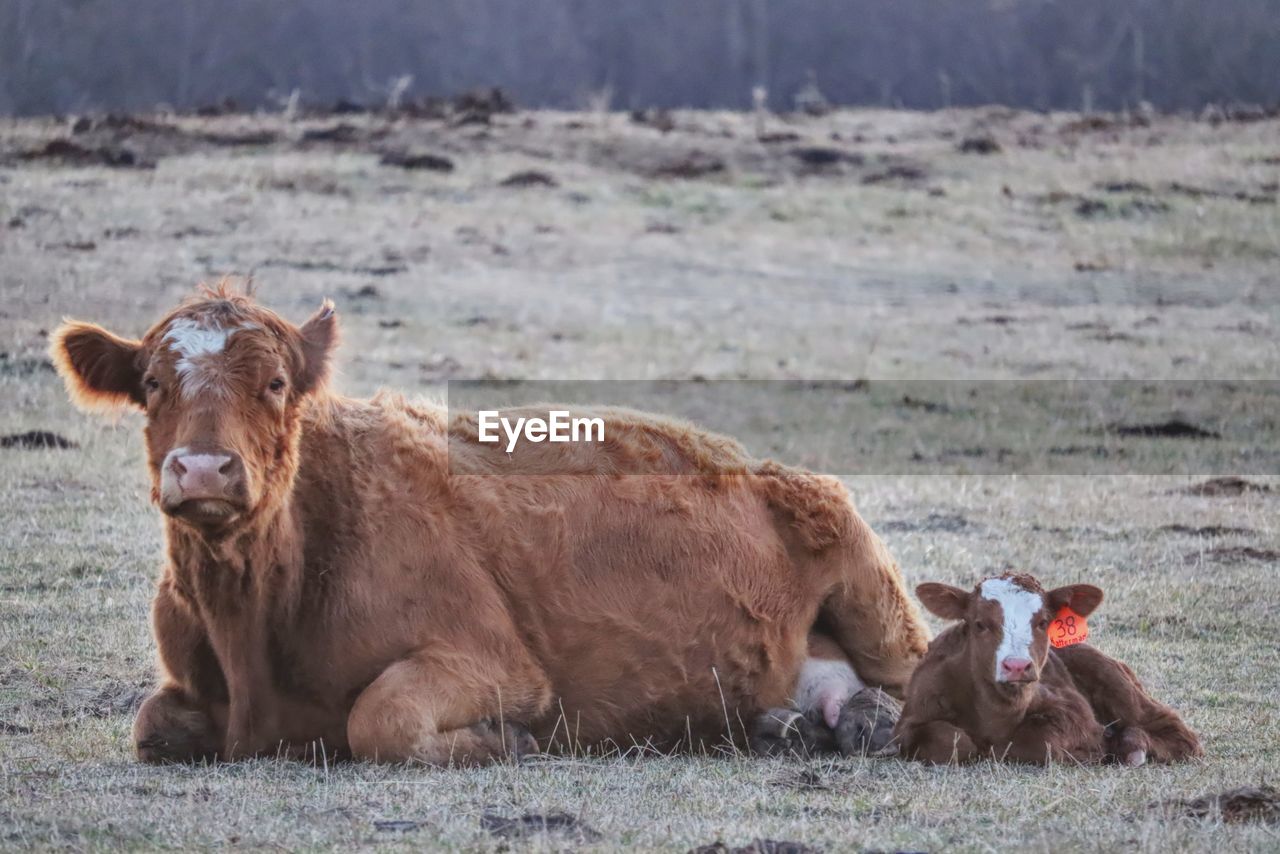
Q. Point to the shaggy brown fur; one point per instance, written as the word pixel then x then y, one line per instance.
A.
pixel 1075 704
pixel 366 586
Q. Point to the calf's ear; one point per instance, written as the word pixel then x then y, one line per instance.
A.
pixel 102 371
pixel 943 600
pixel 1081 598
pixel 319 337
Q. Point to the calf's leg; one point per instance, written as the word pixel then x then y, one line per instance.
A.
pixel 1143 727
pixel 424 710
pixel 935 742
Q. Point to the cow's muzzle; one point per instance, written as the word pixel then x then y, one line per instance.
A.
pixel 203 486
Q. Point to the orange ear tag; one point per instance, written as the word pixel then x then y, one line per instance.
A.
pixel 1068 628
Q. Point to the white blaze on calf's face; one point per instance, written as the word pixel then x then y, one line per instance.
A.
pixel 1020 607
pixel 195 344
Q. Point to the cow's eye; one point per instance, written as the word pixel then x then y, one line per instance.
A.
pixel 276 385
pixel 152 384
pixel 980 625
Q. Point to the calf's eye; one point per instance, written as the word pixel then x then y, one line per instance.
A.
pixel 276 385
pixel 152 384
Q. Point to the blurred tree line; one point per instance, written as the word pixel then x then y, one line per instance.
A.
pixel 75 55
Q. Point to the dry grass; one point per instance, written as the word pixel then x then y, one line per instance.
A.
pixel 756 271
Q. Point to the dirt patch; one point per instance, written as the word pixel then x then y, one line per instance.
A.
pixel 331 267
pixel 533 824
pixel 696 164
pixel 1234 554
pixel 979 145
pixel 1224 486
pixel 1174 428
pixel 82 696
pixel 1263 196
pixel 946 522
pixel 113 701
pixel 909 402
pixel 68 153
pixel 37 439
pixel 905 173
pixel 1088 208
pixel 238 140
pixel 398 825
pixel 804 780
pixel 1234 806
pixel 821 157
pixel 757 846
pixel 1206 530
pixel 658 119
pixel 1123 187
pixel 1101 452
pixel 341 132
pixel 410 161
pixel 529 178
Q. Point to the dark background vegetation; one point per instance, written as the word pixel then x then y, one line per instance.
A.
pixel 76 55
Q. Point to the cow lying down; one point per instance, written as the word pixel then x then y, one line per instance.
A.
pixel 992 685
pixel 348 576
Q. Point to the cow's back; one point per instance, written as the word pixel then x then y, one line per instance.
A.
pixel 654 604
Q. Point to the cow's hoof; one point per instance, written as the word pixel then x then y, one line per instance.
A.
pixel 517 741
pixel 786 732
pixel 168 730
pixel 866 724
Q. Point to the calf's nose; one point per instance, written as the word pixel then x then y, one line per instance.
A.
pixel 1015 669
pixel 206 475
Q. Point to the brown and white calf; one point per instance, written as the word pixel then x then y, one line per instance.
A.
pixel 348 574
pixel 991 685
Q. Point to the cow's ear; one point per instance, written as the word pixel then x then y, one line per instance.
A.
pixel 943 600
pixel 1081 598
pixel 319 337
pixel 102 371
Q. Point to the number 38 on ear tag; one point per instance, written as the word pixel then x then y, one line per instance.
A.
pixel 1068 628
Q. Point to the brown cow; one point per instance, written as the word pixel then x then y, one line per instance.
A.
pixel 342 576
pixel 991 686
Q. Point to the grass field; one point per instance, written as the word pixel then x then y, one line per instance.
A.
pixel 861 245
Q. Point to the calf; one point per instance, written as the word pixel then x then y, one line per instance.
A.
pixel 992 685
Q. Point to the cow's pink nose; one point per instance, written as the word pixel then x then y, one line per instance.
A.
pixel 206 476
pixel 1015 669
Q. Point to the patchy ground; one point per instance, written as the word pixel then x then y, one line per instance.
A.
pixel 470 243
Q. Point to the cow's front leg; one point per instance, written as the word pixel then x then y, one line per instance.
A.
pixel 185 719
pixel 1056 734
pixel 419 710
pixel 171 727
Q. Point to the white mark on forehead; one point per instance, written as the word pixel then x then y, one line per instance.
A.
pixel 1020 607
pixel 195 343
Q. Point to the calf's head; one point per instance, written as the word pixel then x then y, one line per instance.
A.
pixel 221 380
pixel 1006 621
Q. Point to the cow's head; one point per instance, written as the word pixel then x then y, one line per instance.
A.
pixel 221 380
pixel 1006 621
